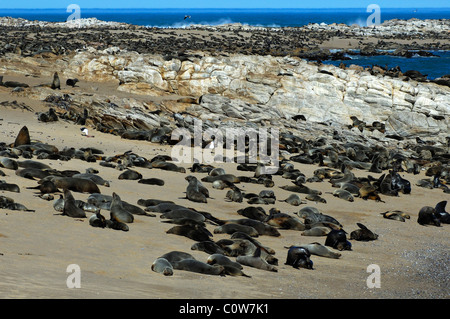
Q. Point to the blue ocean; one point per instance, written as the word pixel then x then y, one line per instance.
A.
pixel 175 18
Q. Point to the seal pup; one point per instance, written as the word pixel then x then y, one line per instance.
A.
pixel 396 215
pixel 56 83
pixel 343 194
pixel 8 163
pixel 163 266
pixel 299 257
pixel 117 211
pixel 443 216
pixel 260 227
pixel 234 194
pixel 337 239
pixel 10 187
pixel 197 266
pixel 363 233
pixel 293 200
pixel 428 216
pixel 321 250
pixel 70 208
pixel 195 191
pixel 256 261
pixel 97 220
pixel 72 82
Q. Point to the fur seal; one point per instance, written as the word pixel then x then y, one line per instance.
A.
pixel 256 261
pixel 363 233
pixel 315 198
pixel 56 83
pixel 184 213
pixel 301 189
pixel 23 138
pixel 284 221
pixel 231 268
pixel 256 243
pixel 223 260
pixel 260 227
pixel 225 177
pixel 197 266
pixel 293 200
pixel 299 257
pixel 175 256
pixel 443 216
pixel 163 266
pixel 8 163
pixel 118 212
pixel 97 220
pixel 152 202
pixel 194 232
pixel 337 239
pixel 321 250
pixel 343 194
pixel 257 213
pixel 168 166
pixel 130 174
pixel 208 247
pixel 10 187
pixel 70 208
pixel 428 216
pixel 312 216
pixel 396 215
pixel 93 177
pixel 151 181
pixel 233 227
pixel 195 191
pixel 316 231
pixel 234 194
pixel 80 185
pixel 72 82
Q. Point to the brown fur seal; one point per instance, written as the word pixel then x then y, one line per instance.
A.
pixel 299 257
pixel 194 232
pixel 256 261
pixel 338 240
pixel 316 231
pixel 74 184
pixel 162 266
pixel 293 200
pixel 396 215
pixel 175 256
pixel 23 138
pixel 321 250
pixel 233 227
pixel 9 187
pixel 97 220
pixel 363 233
pixel 8 163
pixel 151 181
pixel 70 208
pixel 118 212
pixel 130 174
pixel 427 216
pixel 284 221
pixel 56 83
pixel 257 213
pixel 195 191
pixel 260 227
pixel 208 247
pixel 197 266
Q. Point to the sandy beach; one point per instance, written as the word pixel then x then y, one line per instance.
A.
pixel 37 247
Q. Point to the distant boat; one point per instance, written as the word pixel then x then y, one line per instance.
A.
pixel 415 10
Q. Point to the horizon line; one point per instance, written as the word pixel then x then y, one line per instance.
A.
pixel 271 8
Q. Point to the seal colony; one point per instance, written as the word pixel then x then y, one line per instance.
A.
pixel 335 192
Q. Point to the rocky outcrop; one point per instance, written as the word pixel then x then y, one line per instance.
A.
pixel 266 86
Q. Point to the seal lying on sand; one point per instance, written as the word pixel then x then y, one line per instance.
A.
pixel 163 266
pixel 299 257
